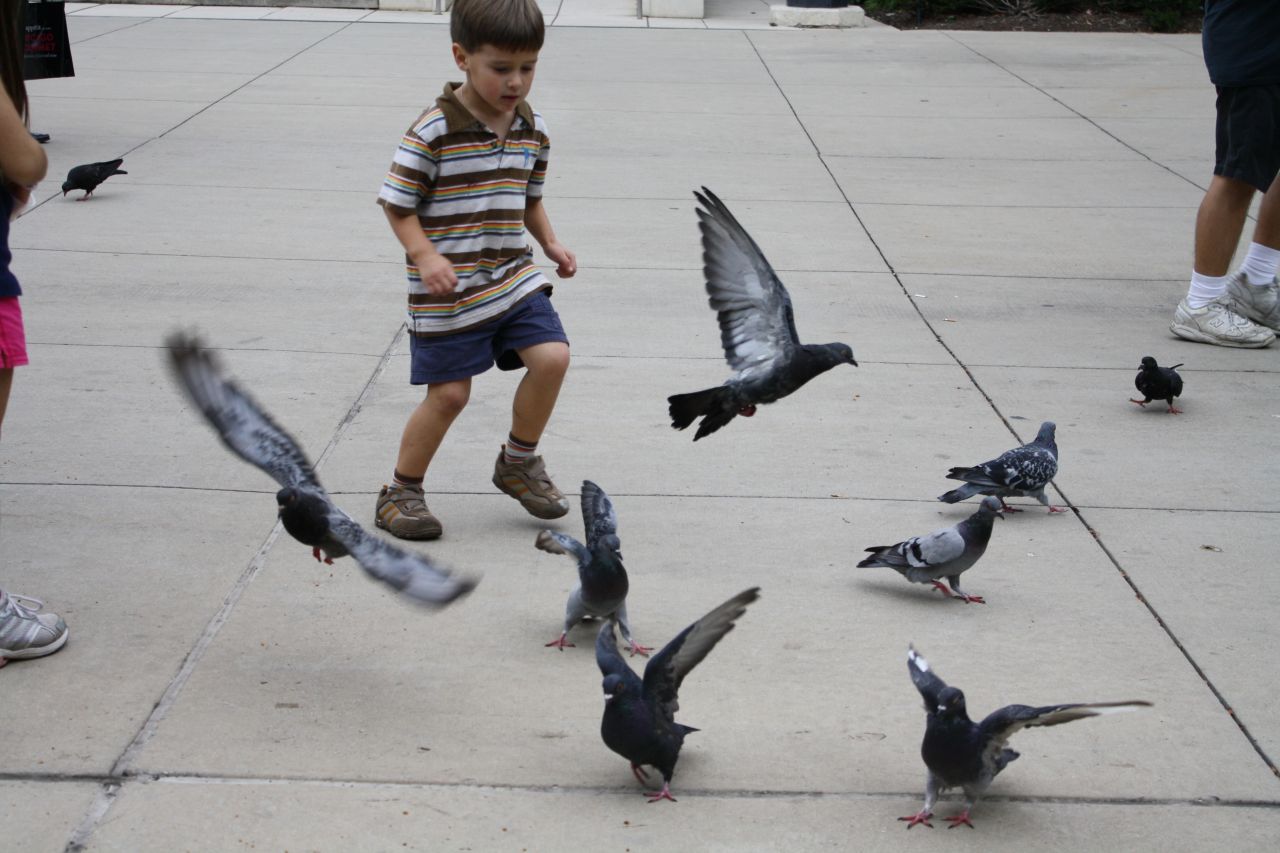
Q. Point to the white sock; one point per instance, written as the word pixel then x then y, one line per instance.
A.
pixel 1260 264
pixel 1204 289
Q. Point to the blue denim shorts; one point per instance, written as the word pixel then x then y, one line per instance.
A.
pixel 470 352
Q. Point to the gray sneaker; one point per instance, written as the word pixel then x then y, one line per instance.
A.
pixel 529 483
pixel 402 512
pixel 25 632
pixel 1259 304
pixel 1215 323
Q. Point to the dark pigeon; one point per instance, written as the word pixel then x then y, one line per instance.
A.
pixel 304 508
pixel 944 553
pixel 639 716
pixel 1025 470
pixel 1158 383
pixel 960 753
pixel 88 176
pixel 757 328
pixel 602 581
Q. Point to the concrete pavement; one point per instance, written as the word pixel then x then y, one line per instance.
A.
pixel 999 224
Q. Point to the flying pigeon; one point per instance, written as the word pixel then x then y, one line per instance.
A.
pixel 602 581
pixel 639 716
pixel 757 328
pixel 1158 383
pixel 88 176
pixel 1025 470
pixel 304 508
pixel 960 753
pixel 944 553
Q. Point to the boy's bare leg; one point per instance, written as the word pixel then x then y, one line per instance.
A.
pixel 536 396
pixel 1220 222
pixel 428 424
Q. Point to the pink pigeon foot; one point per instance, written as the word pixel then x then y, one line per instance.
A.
pixel 639 773
pixel 942 588
pixel 1142 403
pixel 961 819
pixel 561 644
pixel 1004 507
pixel 637 649
pixel 970 599
pixel 327 560
pixel 1173 410
pixel 1053 509
pixel 918 817
pixel 664 794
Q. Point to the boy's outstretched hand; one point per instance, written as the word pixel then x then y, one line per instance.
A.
pixel 565 260
pixel 436 273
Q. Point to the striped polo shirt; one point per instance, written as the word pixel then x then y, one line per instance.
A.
pixel 468 189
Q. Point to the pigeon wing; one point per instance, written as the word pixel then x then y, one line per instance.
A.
pixel 928 683
pixel 244 427
pixel 1029 467
pixel 667 669
pixel 598 516
pixel 757 325
pixel 1000 725
pixel 408 573
pixel 554 542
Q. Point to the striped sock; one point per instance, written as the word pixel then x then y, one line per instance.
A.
pixel 404 480
pixel 517 450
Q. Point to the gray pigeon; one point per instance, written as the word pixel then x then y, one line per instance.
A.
pixel 88 176
pixel 1025 470
pixel 304 508
pixel 944 553
pixel 1158 383
pixel 639 720
pixel 960 753
pixel 757 328
pixel 602 581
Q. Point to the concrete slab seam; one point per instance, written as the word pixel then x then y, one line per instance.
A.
pixel 996 409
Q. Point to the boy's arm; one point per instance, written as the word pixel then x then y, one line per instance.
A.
pixel 434 268
pixel 535 219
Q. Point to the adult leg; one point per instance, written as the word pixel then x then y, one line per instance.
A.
pixel 1219 224
pixel 6 383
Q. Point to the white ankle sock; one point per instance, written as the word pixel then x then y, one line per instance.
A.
pixel 1204 289
pixel 1260 264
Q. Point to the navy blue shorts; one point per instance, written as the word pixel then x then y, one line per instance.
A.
pixel 468 353
pixel 1248 134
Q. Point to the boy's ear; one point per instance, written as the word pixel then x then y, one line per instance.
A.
pixel 460 56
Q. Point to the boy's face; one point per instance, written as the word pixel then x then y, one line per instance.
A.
pixel 498 78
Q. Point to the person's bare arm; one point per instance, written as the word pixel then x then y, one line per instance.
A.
pixel 22 160
pixel 434 268
pixel 535 219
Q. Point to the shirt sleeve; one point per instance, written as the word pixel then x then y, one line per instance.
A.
pixel 538 177
pixel 412 174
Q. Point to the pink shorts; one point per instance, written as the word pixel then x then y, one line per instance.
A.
pixel 13 341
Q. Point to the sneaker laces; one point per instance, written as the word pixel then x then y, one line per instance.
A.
pixel 15 605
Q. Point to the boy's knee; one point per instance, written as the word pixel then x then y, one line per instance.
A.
pixel 549 359
pixel 449 398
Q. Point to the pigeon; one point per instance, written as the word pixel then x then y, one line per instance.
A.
pixel 1158 383
pixel 960 753
pixel 757 328
pixel 602 581
pixel 88 176
pixel 305 509
pixel 639 715
pixel 944 553
pixel 1025 470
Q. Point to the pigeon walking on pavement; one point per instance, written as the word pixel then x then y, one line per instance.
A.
pixel 639 715
pixel 305 509
pixel 1024 470
pixel 944 553
pixel 757 328
pixel 960 753
pixel 88 176
pixel 1158 383
pixel 602 581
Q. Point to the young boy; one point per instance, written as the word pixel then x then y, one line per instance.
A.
pixel 465 184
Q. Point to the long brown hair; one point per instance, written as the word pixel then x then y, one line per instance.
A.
pixel 11 34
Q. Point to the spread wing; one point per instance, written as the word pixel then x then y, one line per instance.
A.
pixel 241 423
pixel 667 669
pixel 929 684
pixel 410 574
pixel 1001 724
pixel 757 325
pixel 598 516
pixel 562 543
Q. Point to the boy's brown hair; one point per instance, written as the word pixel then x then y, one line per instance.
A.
pixel 504 24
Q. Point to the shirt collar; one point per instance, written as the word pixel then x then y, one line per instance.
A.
pixel 458 117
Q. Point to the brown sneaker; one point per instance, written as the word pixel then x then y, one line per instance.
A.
pixel 403 513
pixel 529 483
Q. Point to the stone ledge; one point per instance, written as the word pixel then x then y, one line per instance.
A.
pixel 798 16
pixel 674 8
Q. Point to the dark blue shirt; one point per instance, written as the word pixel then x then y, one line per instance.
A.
pixel 1241 40
pixel 8 282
